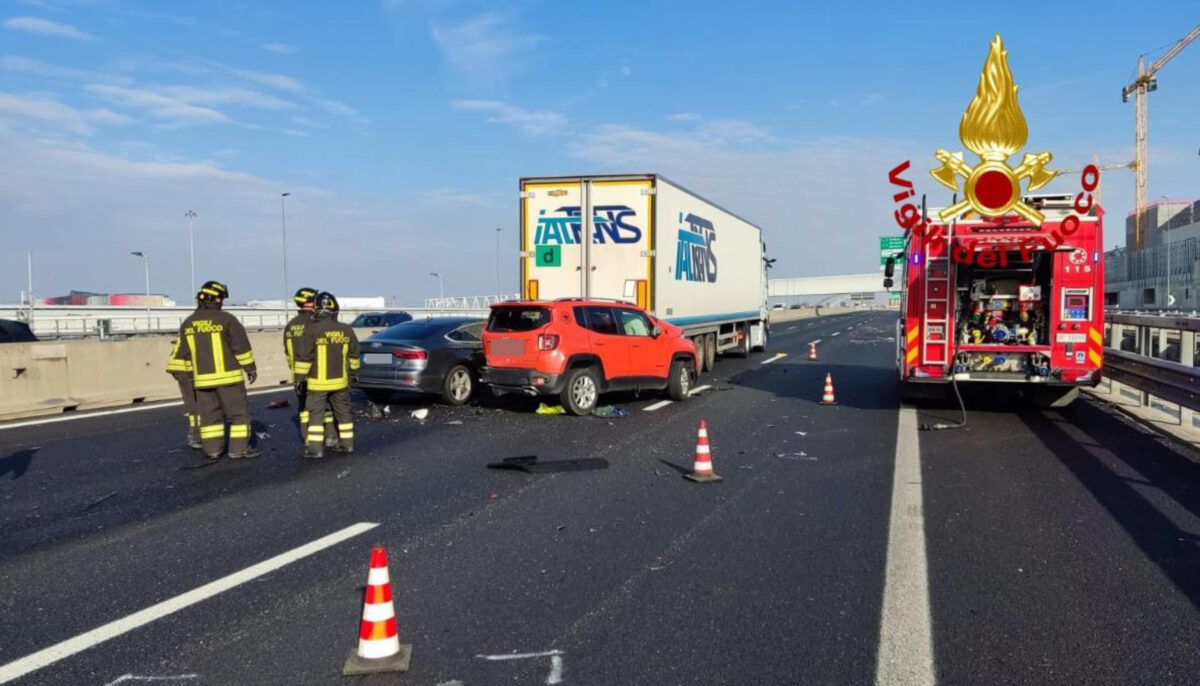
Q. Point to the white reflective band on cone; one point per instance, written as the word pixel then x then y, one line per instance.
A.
pixel 377 576
pixel 703 433
pixel 378 612
pixel 384 647
pixel 702 449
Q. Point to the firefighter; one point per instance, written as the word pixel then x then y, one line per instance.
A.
pixel 326 361
pixel 181 370
pixel 215 344
pixel 305 299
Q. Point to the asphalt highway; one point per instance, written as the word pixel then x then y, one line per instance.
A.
pixel 1043 546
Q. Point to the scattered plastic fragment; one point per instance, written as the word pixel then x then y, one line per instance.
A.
pixel 801 433
pixel 455 422
pixel 530 464
pixel 99 500
pixel 344 473
pixel 420 414
pixel 610 411
pixel 277 404
pixel 263 435
pixel 543 408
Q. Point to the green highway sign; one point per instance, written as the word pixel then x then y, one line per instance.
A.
pixel 889 246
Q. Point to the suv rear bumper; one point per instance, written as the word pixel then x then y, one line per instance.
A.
pixel 527 381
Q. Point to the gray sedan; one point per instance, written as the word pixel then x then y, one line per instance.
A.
pixel 437 356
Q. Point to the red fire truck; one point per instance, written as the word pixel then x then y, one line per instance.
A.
pixel 1003 301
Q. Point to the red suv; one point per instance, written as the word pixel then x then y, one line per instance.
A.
pixel 577 349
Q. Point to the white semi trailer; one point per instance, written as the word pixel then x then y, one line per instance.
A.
pixel 652 242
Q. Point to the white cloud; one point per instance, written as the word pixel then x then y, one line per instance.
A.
pixel 310 123
pixel 24 65
pixel 279 48
pixel 212 97
pixel 158 105
pixel 485 46
pixel 341 109
pixel 685 116
pixel 56 115
pixel 626 71
pixel 45 27
pixel 276 81
pixel 504 113
pixel 296 132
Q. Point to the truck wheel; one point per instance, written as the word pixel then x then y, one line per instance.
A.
pixel 710 352
pixel 700 354
pixel 581 391
pixel 458 386
pixel 680 383
pixel 1049 397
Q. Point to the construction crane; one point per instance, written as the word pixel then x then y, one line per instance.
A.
pixel 1144 83
pixel 1132 164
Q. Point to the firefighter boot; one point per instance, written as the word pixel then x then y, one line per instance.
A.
pixel 193 435
pixel 331 435
pixel 313 448
pixel 345 442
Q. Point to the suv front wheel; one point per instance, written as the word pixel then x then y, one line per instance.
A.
pixel 581 391
pixel 680 383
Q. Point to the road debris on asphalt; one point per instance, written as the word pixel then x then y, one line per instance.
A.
pixel 277 404
pixel 543 408
pixel 454 422
pixel 420 414
pixel 530 464
pixel 344 473
pixel 609 411
pixel 262 435
pixel 101 499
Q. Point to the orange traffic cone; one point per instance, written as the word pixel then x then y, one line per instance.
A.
pixel 702 469
pixel 812 351
pixel 379 648
pixel 827 399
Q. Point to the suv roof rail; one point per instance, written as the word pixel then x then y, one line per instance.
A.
pixel 608 300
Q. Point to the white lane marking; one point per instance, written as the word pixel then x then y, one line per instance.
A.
pixel 778 356
pixel 835 333
pixel 124 678
pixel 663 403
pixel 814 342
pixel 790 328
pixel 905 644
pixel 123 410
pixel 556 662
pixel 80 643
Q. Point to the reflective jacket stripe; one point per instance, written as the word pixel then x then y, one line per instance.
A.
pixel 302 368
pixel 245 359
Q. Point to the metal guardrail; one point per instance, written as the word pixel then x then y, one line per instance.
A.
pixel 1151 358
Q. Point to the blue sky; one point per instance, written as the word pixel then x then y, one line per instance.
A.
pixel 401 127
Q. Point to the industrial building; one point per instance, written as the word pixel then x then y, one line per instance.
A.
pixel 1141 278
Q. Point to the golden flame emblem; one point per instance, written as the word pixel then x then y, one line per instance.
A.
pixel 993 128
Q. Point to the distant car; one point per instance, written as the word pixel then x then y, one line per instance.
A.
pixel 794 307
pixel 12 331
pixel 577 349
pixel 778 306
pixel 379 320
pixel 437 356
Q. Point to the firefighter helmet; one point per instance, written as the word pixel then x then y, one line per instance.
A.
pixel 326 302
pixel 213 290
pixel 305 296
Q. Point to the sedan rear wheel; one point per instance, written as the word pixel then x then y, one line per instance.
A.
pixel 458 386
pixel 581 391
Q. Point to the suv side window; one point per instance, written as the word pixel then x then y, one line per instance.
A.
pixel 599 320
pixel 633 323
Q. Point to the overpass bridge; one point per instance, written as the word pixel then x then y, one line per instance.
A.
pixel 842 289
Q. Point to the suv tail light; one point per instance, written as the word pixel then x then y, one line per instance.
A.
pixel 410 354
pixel 547 341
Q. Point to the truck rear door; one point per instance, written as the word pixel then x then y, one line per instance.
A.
pixel 588 238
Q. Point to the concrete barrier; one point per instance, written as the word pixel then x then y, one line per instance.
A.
pixel 778 316
pixel 39 379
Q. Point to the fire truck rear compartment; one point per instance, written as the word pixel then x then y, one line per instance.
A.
pixel 1002 317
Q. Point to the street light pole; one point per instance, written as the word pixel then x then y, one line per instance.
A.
pixel 283 220
pixel 441 286
pixel 1167 233
pixel 191 215
pixel 498 232
pixel 146 261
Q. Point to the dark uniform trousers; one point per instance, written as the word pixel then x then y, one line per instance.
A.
pixel 330 430
pixel 187 390
pixel 218 406
pixel 339 401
